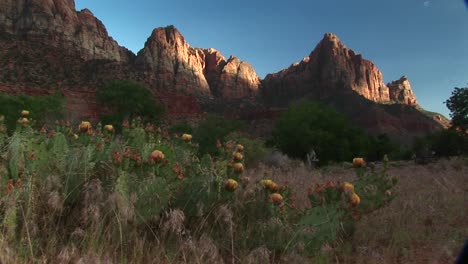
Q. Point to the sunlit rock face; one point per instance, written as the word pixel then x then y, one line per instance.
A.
pixel 332 66
pixel 57 23
pixel 174 64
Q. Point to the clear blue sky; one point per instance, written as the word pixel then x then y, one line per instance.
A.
pixel 427 40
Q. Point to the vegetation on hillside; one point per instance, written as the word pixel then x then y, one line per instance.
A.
pixel 127 100
pixel 309 125
pixel 43 108
pixel 458 106
pixel 149 196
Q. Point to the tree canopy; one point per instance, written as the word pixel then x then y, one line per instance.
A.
pixel 458 106
pixel 308 126
pixel 128 100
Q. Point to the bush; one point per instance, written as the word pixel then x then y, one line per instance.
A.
pixel 307 126
pixel 257 149
pixel 210 130
pixel 127 100
pixel 43 109
pixel 444 143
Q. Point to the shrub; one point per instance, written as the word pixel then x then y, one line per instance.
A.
pixel 127 100
pixel 43 109
pixel 307 126
pixel 211 129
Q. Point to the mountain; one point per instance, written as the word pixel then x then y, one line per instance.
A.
pixel 332 68
pixel 335 74
pixel 47 46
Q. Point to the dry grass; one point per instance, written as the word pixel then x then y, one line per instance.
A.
pixel 427 222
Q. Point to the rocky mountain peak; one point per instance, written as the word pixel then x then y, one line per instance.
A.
pixel 57 23
pixel 401 92
pixel 172 62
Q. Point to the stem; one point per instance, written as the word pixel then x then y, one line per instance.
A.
pixel 27 232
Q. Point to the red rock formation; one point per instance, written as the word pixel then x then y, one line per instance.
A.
pixel 354 86
pixel 168 60
pixel 171 63
pixel 332 66
pixel 401 92
pixel 57 23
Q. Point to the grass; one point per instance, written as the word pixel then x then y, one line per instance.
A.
pixel 104 199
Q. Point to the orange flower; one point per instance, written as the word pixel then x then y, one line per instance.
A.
pixel 186 137
pixel 10 186
pixel 109 128
pixel 354 199
pixel 348 187
pixel 117 158
pixel 275 198
pixel 231 185
pixel 359 162
pixel 85 126
pixel 157 156
pixel 239 147
pixel 237 156
pixel 23 121
pixel 238 167
pixel 274 187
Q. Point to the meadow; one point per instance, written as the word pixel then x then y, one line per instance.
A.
pixel 82 193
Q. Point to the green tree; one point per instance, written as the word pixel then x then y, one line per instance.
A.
pixel 211 129
pixel 307 126
pixel 43 109
pixel 127 100
pixel 458 106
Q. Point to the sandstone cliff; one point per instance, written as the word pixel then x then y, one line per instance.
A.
pixel 57 23
pixel 401 92
pixel 171 63
pixel 331 68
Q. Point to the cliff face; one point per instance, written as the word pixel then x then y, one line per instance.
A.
pixel 169 61
pixel 401 92
pixel 56 22
pixel 331 68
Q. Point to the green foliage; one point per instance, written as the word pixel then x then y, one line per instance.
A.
pixel 43 109
pixel 458 106
pixel 332 216
pixel 444 143
pixel 211 129
pixel 307 126
pixel 127 100
pixel 257 149
pixel 181 128
pixel 94 190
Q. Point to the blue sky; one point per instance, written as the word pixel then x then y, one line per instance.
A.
pixel 427 40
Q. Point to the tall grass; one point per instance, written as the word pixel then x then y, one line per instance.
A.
pixel 84 195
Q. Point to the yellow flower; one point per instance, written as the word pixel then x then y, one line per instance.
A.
pixel 237 156
pixel 157 156
pixel 23 121
pixel 239 147
pixel 348 187
pixel 231 185
pixel 75 136
pixel 187 137
pixel 24 113
pixel 275 198
pixel 266 182
pixel 85 126
pixel 359 162
pixel 354 199
pixel 109 128
pixel 238 167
